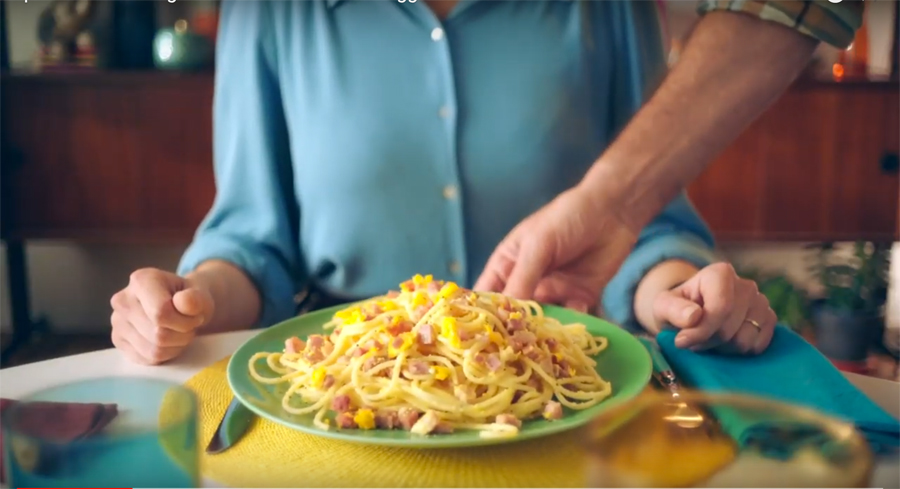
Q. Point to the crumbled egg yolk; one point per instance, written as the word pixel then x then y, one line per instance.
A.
pixel 558 357
pixel 473 298
pixel 447 290
pixel 440 372
pixel 495 338
pixel 571 371
pixel 406 286
pixel 365 419
pixel 407 343
pixel 351 316
pixel 318 377
pixel 515 315
pixel 419 280
pixel 395 321
pixel 419 299
pixel 449 330
pixel 387 305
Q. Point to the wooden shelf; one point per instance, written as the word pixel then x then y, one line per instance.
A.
pixel 127 157
pixel 106 78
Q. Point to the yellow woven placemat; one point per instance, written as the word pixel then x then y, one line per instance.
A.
pixel 272 455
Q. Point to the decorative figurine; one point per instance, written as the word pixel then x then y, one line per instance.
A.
pixel 65 33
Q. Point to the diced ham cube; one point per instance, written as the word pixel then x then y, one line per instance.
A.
pixel 434 286
pixel 546 365
pixel 514 325
pixel 340 403
pixel 558 371
pixel 493 362
pixel 532 353
pixel 551 344
pixel 522 339
pixel 509 419
pixel 316 341
pixel 392 294
pixel 403 326
pixel 425 334
pixel 443 428
pixel 464 393
pixel 345 421
pixel 294 345
pixel 408 417
pixel 328 381
pixel 387 420
pixel 418 367
pixel 426 424
pixel 553 410
pixel 371 363
pixel 420 311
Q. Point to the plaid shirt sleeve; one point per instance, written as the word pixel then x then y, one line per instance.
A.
pixel 832 23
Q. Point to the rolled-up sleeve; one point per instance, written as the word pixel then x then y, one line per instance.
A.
pixel 254 219
pixel 677 233
pixel 826 21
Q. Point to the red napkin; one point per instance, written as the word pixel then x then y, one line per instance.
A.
pixel 59 422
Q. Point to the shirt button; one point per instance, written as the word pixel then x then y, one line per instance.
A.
pixel 444 112
pixel 437 34
pixel 454 267
pixel 450 192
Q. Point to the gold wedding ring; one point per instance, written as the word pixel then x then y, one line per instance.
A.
pixel 753 323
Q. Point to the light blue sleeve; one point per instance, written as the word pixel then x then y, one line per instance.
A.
pixel 254 219
pixel 678 232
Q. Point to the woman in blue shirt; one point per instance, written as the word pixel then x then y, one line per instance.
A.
pixel 359 143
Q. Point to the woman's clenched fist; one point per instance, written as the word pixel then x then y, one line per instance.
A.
pixel 157 315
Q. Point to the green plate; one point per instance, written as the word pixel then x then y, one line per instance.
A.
pixel 625 363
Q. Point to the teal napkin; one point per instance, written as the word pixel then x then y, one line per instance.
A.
pixel 790 370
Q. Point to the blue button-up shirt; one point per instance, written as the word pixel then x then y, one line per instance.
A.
pixel 357 143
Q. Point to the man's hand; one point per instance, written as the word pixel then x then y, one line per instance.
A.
pixel 564 253
pixel 717 309
pixel 157 315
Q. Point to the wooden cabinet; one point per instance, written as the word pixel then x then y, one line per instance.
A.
pixel 112 157
pixel 818 165
pixel 128 157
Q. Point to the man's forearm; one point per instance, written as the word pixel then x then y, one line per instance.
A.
pixel 733 67
pixel 237 302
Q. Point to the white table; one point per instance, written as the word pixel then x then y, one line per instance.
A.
pixel 19 381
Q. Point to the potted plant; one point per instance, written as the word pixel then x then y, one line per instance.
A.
pixel 849 318
pixel 789 301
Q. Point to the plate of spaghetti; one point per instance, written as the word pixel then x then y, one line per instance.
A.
pixel 438 365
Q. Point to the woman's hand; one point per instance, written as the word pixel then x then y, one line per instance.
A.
pixel 717 309
pixel 157 315
pixel 564 253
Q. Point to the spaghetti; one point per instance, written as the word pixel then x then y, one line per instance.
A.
pixel 434 358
